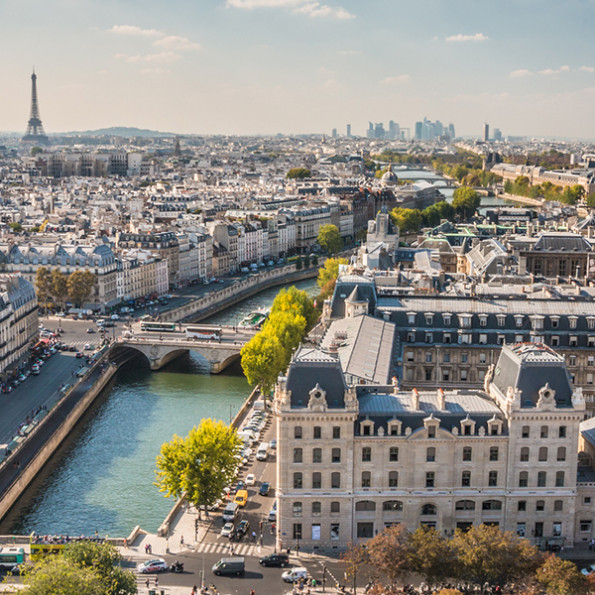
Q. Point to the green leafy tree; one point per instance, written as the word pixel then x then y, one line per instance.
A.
pixel 485 554
pixel 58 576
pixel 263 358
pixel 389 553
pixel 199 465
pixel 105 560
pixel 407 220
pixel 80 284
pixel 298 173
pixel 297 302
pixel 290 329
pixel 561 577
pixel 299 264
pixel 466 201
pixel 36 151
pixel 330 239
pixel 59 285
pixel 307 261
pixel 327 276
pixel 591 199
pixel 314 260
pixel 43 285
pixel 430 555
pixel 432 215
pixel 16 226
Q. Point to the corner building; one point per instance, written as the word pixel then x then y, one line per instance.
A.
pixel 353 460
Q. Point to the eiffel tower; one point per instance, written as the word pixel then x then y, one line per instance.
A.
pixel 35 132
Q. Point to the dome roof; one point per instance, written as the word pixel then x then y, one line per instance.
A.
pixel 389 176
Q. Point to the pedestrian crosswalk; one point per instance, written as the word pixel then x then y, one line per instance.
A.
pixel 239 549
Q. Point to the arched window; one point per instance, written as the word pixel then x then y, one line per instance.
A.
pixel 544 431
pixel 466 479
pixel 317 432
pixel 429 509
pixel 297 455
pixel 392 506
pixel 366 479
pixel 491 505
pixel 393 479
pixel 365 506
pixel 316 480
pixel 297 432
pixel 317 455
pixel 524 454
pixel 430 454
pixel 297 509
pixel 316 508
pixel 561 453
pixel 465 505
pixel 525 432
pixel 559 479
pixel 543 453
pixel 298 481
pixel 335 507
pixel 541 479
pixel 336 455
pixel 523 479
pixel 335 480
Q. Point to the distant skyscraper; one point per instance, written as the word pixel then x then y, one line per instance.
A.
pixel 334 133
pixel 497 134
pixel 486 133
pixel 370 133
pixel 418 130
pixel 35 130
pixel 348 130
pixel 394 131
pixel 451 130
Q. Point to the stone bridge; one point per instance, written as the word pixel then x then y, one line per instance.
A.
pixel 161 351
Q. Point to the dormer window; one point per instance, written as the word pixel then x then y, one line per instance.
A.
pixel 447 319
pixel 591 322
pixel 394 427
pixel 429 319
pixel 572 320
pixel 501 320
pixel 555 321
pixel 483 320
pixel 467 427
pixel 411 317
pixel 431 424
pixel 537 322
pixel 366 428
pixel 518 320
pixel 465 320
pixel 495 427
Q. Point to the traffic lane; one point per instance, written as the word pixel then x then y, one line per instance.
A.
pixel 37 390
pixel 76 330
pixel 262 580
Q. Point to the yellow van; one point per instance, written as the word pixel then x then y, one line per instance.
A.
pixel 241 497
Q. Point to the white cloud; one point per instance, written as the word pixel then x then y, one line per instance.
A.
pixel 135 31
pixel 552 71
pixel 587 69
pixel 176 43
pixel 461 37
pixel 396 80
pixel 520 73
pixel 159 58
pixel 307 7
pixel 348 52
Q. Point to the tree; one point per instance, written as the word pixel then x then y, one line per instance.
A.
pixel 466 201
pixel 330 239
pixel 263 358
pixel 407 220
pixel 42 284
pixel 105 560
pixel 59 285
pixel 327 276
pixel 298 173
pixel 561 577
pixel 485 554
pixel 297 302
pixel 430 555
pixel 36 151
pixel 591 199
pixel 199 465
pixel 388 552
pixel 16 226
pixel 58 576
pixel 354 557
pixel 80 285
pixel 289 328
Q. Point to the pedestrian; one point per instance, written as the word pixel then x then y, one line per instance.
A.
pixel 252 592
pixel 253 536
pixel 181 540
pixel 156 581
pixel 148 582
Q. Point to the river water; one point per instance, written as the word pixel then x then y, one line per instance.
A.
pixel 103 479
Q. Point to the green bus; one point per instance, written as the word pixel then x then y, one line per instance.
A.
pixel 158 327
pixel 11 557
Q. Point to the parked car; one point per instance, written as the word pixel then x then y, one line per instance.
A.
pixel 152 566
pixel 227 530
pixel 88 346
pixel 79 355
pixel 265 488
pixel 90 331
pixel 250 479
pixel 273 444
pixel 293 575
pixel 278 560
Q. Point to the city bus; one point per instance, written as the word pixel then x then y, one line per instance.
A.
pixel 202 332
pixel 11 557
pixel 158 327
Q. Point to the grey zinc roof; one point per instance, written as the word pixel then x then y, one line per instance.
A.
pixel 529 367
pixel 367 349
pixel 558 242
pixel 587 429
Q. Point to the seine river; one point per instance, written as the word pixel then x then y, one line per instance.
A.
pixel 103 479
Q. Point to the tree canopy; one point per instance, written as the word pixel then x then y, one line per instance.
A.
pixel 296 301
pixel 58 576
pixel 327 276
pixel 199 465
pixel 263 359
pixel 80 285
pixel 561 577
pixel 330 239
pixel 466 201
pixel 43 285
pixel 298 173
pixel 407 220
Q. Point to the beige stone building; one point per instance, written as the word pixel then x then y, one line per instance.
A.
pixel 353 460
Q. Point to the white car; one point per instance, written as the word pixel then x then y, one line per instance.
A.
pixel 227 530
pixel 589 570
pixel 152 566
pixel 88 346
pixel 250 479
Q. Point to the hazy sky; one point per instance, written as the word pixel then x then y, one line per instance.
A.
pixel 299 66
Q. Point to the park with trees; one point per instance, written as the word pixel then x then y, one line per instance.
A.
pixel 54 287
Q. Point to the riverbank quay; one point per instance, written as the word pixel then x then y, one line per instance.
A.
pixel 220 299
pixel 19 469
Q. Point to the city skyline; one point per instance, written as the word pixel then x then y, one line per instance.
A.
pixel 299 66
